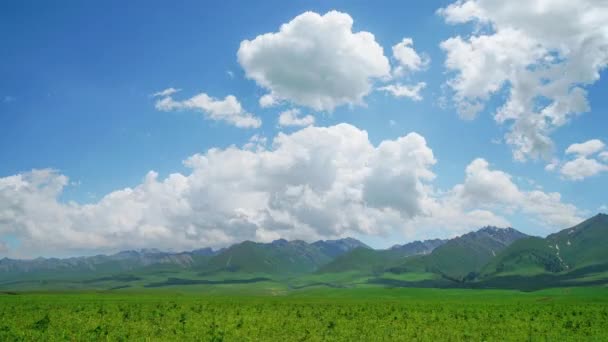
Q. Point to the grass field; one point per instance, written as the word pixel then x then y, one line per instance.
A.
pixel 239 312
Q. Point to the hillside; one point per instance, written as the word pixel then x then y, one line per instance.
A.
pixel 463 257
pixel 418 247
pixel 78 267
pixel 584 244
pixel 361 260
pixel 334 248
pixel 570 249
pixel 277 257
pixel 466 255
pixel 280 257
pixel 374 261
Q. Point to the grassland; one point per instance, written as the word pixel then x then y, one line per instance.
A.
pixel 265 311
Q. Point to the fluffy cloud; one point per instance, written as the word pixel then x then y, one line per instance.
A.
pixel 409 91
pixel 491 189
pixel 315 61
pixel 400 164
pixel 553 165
pixel 585 163
pixel 484 198
pixel 581 168
pixel 542 52
pixel 587 148
pixel 267 101
pixel 292 117
pixel 318 182
pixel 483 186
pixel 407 58
pixel 228 110
pixel 256 143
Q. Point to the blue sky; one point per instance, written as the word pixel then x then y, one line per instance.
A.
pixel 76 96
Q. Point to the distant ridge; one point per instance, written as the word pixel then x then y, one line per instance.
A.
pixel 369 260
pixel 489 257
pixel 334 248
pixel 583 245
pixel 279 256
pixel 419 247
pixel 463 257
pixel 455 259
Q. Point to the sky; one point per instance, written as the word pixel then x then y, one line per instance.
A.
pixel 186 124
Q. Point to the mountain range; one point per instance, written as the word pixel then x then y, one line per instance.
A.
pixel 490 257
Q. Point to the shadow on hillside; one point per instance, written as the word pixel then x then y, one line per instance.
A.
pixel 333 286
pixel 180 281
pixel 574 278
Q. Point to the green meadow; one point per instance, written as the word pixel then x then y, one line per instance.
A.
pixel 265 312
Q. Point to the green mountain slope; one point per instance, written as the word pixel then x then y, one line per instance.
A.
pixel 419 247
pixel 334 248
pixel 147 260
pixel 524 257
pixel 463 257
pixel 361 260
pixel 280 257
pixel 583 245
pixel 367 261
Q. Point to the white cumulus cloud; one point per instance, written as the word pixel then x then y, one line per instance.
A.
pixel 315 61
pixel 586 161
pixel 581 168
pixel 291 117
pixel 228 110
pixel 267 101
pixel 542 52
pixel 318 182
pixel 409 91
pixel 487 188
pixel 484 198
pixel 587 148
pixel 407 58
pixel 553 165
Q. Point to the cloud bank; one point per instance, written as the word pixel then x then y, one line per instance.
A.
pixel 318 182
